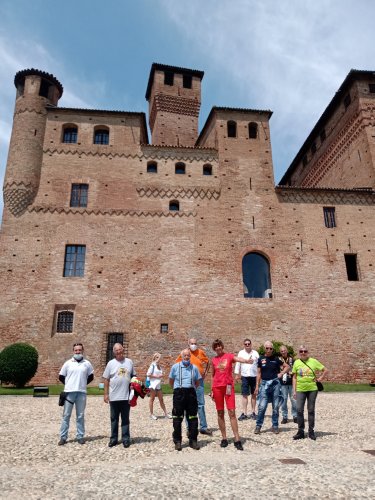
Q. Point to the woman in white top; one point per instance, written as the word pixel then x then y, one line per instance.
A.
pixel 155 374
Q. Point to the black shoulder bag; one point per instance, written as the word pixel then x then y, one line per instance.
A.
pixel 319 385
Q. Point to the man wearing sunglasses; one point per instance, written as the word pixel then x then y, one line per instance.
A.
pixel 248 375
pixel 270 371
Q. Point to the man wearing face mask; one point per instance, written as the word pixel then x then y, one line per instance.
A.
pixel 75 374
pixel 184 377
pixel 201 361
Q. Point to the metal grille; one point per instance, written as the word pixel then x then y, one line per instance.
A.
pixel 101 137
pixel 70 135
pixel 65 322
pixel 112 339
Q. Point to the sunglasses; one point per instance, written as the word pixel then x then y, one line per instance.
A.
pixel 247 345
pixel 303 351
pixel 270 349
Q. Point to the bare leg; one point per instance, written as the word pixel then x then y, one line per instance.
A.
pixel 151 402
pixel 161 401
pixel 234 424
pixel 244 404
pixel 221 422
pixel 253 402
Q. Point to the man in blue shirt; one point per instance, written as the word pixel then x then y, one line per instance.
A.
pixel 184 377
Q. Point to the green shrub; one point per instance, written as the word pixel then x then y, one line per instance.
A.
pixel 18 364
pixel 276 348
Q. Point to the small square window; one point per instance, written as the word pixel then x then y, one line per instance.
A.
pixel 152 167
pixel 64 322
pixel 371 87
pixel 168 78
pixel 164 328
pixel 180 168
pixel 187 81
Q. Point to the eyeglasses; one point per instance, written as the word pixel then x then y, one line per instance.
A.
pixel 247 345
pixel 270 349
pixel 302 351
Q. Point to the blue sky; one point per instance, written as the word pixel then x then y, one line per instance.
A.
pixel 288 56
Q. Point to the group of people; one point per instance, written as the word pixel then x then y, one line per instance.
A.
pixel 269 378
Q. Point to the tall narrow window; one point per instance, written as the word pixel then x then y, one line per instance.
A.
pixel 256 276
pixel 174 206
pixel 70 135
pixel 168 77
pixel 74 263
pixel 207 169
pixel 152 167
pixel 180 168
pixel 186 81
pixel 253 130
pixel 78 197
pixel 351 266
pixel 112 339
pixel 101 136
pixel 232 128
pixel 64 322
pixel 44 88
pixel 329 216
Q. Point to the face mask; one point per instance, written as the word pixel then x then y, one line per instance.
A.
pixel 186 363
pixel 193 347
pixel 78 357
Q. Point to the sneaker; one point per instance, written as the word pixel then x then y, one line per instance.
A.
pixel 112 443
pixel 238 445
pixel 257 430
pixel 242 417
pixel 299 435
pixel 81 441
pixel 193 444
pixel 275 430
pixel 284 421
pixel 295 420
pixel 252 416
pixel 224 443
pixel 126 444
pixel 153 417
pixel 61 442
pixel 206 432
pixel 167 415
pixel 177 446
pixel 312 435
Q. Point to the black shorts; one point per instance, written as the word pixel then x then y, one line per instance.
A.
pixel 248 385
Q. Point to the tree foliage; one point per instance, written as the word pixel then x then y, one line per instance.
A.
pixel 18 364
pixel 276 348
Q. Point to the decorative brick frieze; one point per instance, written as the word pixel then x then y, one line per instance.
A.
pixel 179 192
pixel 326 197
pixel 111 212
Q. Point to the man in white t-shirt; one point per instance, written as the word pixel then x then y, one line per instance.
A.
pixel 248 374
pixel 117 376
pixel 75 374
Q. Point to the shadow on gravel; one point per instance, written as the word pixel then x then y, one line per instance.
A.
pixel 93 438
pixel 144 439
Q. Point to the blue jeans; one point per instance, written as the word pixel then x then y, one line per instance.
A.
pixel 269 392
pixel 201 410
pixel 79 400
pixel 287 391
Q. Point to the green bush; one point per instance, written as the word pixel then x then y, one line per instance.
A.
pixel 18 364
pixel 276 348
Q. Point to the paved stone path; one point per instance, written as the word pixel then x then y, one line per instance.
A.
pixel 32 466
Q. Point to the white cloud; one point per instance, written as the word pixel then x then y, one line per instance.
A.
pixel 288 56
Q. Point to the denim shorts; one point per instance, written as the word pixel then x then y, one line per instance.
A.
pixel 248 385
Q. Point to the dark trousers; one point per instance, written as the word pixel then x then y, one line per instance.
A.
pixel 120 408
pixel 310 396
pixel 185 401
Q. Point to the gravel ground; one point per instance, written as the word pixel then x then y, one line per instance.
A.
pixel 33 466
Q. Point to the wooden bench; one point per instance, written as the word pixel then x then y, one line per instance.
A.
pixel 41 392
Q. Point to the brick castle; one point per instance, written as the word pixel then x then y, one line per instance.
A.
pixel 109 237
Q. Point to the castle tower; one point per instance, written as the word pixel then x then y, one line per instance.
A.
pixel 174 96
pixel 35 90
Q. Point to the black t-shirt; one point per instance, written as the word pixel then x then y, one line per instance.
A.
pixel 269 367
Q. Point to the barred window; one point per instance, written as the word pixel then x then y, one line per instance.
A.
pixel 164 328
pixel 78 197
pixel 65 322
pixel 101 136
pixel 74 263
pixel 112 339
pixel 329 216
pixel 70 135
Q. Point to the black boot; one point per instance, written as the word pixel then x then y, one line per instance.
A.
pixel 299 435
